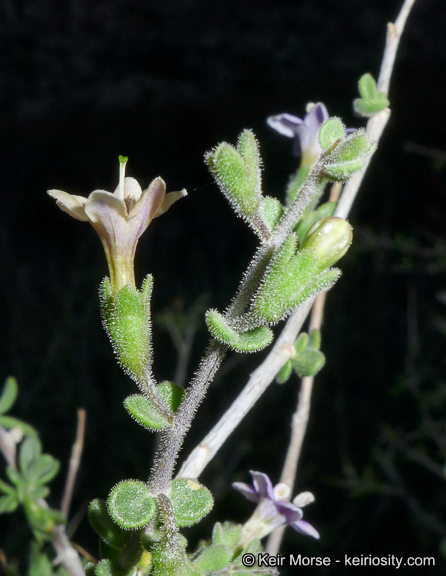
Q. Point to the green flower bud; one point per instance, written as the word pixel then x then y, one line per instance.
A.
pixel 330 238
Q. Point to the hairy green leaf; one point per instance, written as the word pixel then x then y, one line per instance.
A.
pixel 9 422
pixel 8 503
pixel 284 373
pixel 103 524
pixel 227 534
pixel 191 501
pixel 348 157
pixel 30 450
pixel 126 318
pixel 250 341
pixel 9 394
pixel 271 211
pixel 131 505
pixel 213 558
pixel 42 470
pixel 331 131
pixel 237 172
pixel 140 408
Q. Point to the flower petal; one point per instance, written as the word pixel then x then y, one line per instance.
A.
pixel 316 116
pixel 107 213
pixel 248 491
pixel 292 513
pixel 307 143
pixel 285 124
pixel 262 485
pixel 70 203
pixel 170 199
pixel 305 528
pixel 147 206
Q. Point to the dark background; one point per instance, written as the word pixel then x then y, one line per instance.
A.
pixel 82 82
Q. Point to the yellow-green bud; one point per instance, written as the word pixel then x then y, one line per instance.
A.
pixel 330 238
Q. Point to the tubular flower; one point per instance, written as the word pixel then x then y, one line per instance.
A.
pixel 303 131
pixel 273 509
pixel 120 218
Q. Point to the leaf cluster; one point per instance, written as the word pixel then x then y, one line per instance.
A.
pixel 307 359
pixel 372 101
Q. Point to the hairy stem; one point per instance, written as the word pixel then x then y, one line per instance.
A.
pixel 172 440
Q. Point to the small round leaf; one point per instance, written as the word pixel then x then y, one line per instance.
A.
pixel 331 131
pixel 190 501
pixel 130 504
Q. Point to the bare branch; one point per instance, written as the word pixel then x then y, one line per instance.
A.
pixel 66 553
pixel 76 453
pixel 394 32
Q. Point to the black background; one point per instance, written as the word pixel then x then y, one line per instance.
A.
pixel 82 82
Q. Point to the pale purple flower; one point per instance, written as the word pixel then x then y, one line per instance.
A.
pixel 273 509
pixel 119 218
pixel 303 131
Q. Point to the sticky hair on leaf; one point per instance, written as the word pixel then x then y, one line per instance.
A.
pixel 284 289
pixel 331 132
pixel 250 341
pixel 191 501
pixel 349 157
pixel 237 172
pixel 142 411
pixel 131 505
pixel 270 211
pixel 126 320
pixel 105 527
